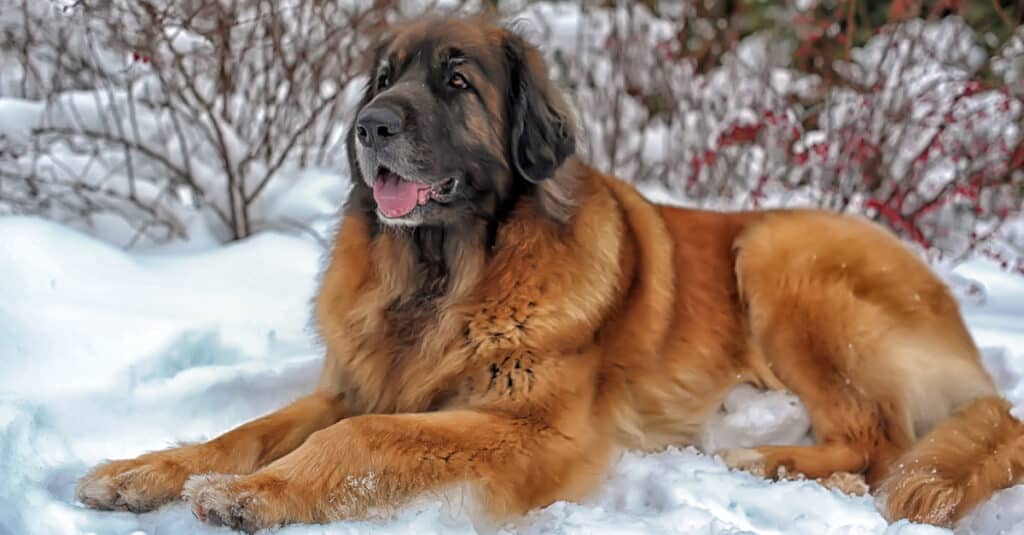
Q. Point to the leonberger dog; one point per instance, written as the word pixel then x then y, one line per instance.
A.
pixel 500 319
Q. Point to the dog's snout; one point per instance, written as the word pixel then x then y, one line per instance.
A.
pixel 377 124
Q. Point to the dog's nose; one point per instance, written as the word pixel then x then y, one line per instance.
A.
pixel 377 124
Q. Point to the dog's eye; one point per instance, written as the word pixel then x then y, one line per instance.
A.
pixel 383 80
pixel 458 81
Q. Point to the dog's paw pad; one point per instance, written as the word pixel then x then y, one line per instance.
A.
pixel 218 500
pixel 97 492
pixel 846 482
pixel 749 460
pixel 129 486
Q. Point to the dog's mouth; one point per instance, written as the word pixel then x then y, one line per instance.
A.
pixel 397 196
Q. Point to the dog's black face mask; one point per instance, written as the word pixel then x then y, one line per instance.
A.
pixel 457 120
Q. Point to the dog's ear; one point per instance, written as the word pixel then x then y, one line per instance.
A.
pixel 542 132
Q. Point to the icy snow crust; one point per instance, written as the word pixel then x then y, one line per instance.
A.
pixel 107 354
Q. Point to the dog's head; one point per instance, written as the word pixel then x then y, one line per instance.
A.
pixel 458 119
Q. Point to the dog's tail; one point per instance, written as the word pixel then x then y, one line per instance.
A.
pixel 964 460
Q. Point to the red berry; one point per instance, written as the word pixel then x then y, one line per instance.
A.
pixel 971 88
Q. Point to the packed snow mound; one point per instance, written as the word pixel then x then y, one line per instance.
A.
pixel 108 355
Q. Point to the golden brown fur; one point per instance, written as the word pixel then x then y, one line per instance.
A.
pixel 599 322
pixel 958 465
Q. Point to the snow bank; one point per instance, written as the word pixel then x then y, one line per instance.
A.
pixel 108 354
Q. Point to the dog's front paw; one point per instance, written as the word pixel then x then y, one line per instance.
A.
pixel 135 485
pixel 246 503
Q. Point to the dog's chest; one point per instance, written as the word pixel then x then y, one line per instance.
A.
pixel 407 323
pixel 425 355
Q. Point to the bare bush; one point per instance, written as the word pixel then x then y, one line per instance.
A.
pixel 157 111
pixel 169 117
pixel 904 131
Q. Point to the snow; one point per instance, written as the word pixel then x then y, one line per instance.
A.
pixel 109 354
pixel 752 418
pixel 19 115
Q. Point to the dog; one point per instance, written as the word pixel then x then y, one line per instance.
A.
pixel 501 318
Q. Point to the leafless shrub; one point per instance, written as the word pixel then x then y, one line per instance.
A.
pixel 158 111
pixel 168 117
pixel 904 131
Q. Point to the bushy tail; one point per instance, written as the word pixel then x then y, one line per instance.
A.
pixel 960 463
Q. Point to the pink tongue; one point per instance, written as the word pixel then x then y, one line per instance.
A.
pixel 395 196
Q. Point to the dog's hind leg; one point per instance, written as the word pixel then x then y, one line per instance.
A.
pixel 861 330
pixel 155 478
pixel 857 430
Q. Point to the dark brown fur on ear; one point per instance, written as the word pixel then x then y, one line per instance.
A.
pixel 541 128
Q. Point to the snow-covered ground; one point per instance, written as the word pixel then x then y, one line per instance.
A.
pixel 107 354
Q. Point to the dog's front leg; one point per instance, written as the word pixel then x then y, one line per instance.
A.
pixel 366 464
pixel 153 479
